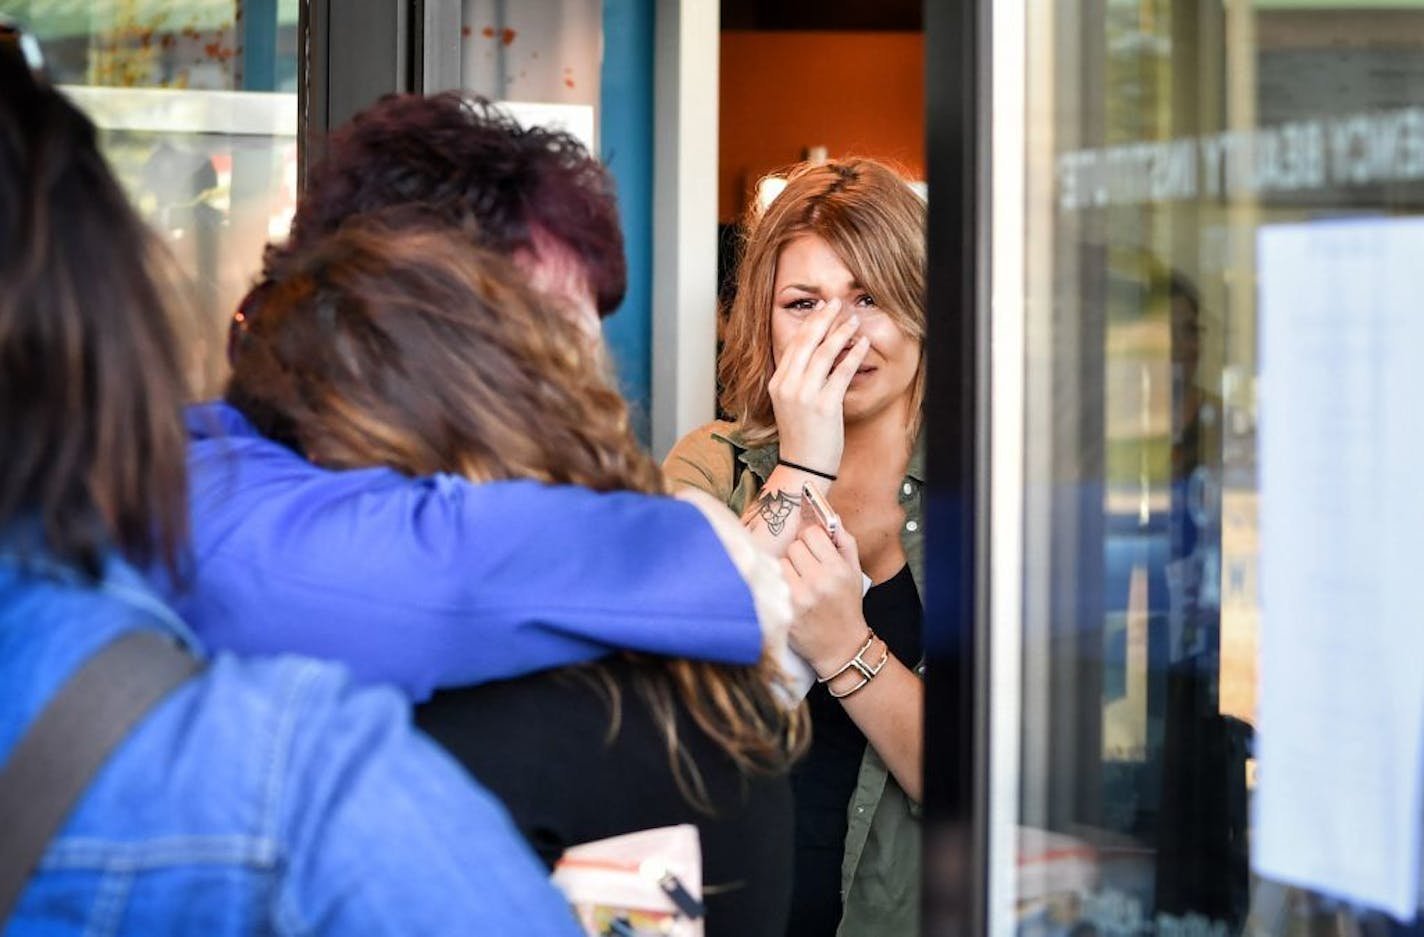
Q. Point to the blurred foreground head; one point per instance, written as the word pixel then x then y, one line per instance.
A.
pixel 533 195
pixel 405 347
pixel 91 445
pixel 388 343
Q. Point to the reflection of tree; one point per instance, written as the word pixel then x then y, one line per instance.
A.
pixel 124 55
pixel 144 45
pixel 1139 71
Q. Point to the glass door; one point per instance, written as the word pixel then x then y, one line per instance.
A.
pixel 1211 207
pixel 196 104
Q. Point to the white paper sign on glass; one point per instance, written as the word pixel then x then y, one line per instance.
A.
pixel 1341 733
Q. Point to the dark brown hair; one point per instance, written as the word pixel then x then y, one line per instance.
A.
pixel 406 348
pixel 469 163
pixel 91 444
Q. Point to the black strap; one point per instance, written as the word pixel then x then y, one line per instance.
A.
pixel 61 751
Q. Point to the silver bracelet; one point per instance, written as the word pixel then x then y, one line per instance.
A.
pixel 867 671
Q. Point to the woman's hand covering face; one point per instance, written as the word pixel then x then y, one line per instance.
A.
pixel 809 385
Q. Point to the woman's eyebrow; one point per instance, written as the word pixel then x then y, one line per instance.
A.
pixel 808 288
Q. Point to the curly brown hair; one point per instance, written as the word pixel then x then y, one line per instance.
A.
pixel 470 163
pixel 403 347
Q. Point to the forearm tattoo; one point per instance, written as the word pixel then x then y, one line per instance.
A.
pixel 774 507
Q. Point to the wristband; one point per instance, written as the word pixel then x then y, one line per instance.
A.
pixel 803 468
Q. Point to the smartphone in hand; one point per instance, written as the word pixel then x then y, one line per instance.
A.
pixel 815 504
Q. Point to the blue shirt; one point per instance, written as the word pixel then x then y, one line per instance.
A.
pixel 439 582
pixel 262 797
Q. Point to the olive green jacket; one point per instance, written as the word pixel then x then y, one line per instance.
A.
pixel 880 878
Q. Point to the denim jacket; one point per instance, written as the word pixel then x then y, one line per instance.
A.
pixel 880 876
pixel 438 582
pixel 262 797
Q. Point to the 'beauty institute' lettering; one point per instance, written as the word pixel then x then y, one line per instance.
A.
pixel 1300 156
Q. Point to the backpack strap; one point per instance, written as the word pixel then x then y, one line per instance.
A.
pixel 54 762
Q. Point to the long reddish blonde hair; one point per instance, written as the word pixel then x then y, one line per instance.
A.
pixel 873 221
pixel 404 347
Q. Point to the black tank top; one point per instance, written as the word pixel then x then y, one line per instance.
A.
pixel 825 779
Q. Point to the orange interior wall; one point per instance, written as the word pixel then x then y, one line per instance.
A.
pixel 856 93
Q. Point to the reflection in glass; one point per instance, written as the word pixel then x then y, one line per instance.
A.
pixel 1176 131
pixel 196 107
pixel 550 51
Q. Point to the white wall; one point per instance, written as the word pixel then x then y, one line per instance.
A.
pixel 684 310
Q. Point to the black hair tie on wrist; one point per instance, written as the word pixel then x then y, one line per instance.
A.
pixel 802 468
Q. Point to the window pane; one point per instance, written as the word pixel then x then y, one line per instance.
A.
pixel 534 50
pixel 1165 138
pixel 196 107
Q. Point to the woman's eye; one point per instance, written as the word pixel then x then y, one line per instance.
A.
pixel 865 300
pixel 801 305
